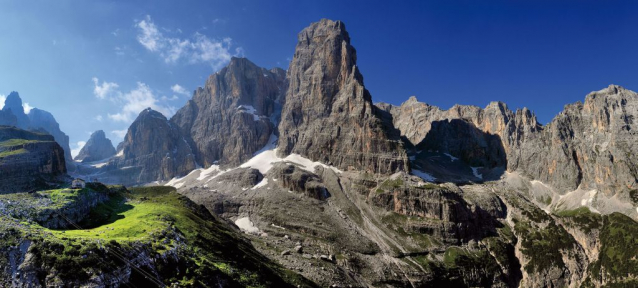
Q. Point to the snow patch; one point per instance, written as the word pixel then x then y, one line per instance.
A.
pixel 476 173
pixel 425 176
pixel 452 158
pixel 262 183
pixel 250 110
pixel 246 225
pixel 206 172
pixel 120 153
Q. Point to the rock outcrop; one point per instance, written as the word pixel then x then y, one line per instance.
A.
pixel 13 114
pixel 13 103
pixel 97 148
pixel 328 115
pixel 28 160
pixel 588 145
pixel 43 120
pixel 233 115
pixel 152 150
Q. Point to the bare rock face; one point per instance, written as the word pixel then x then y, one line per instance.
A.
pixel 328 115
pixel 28 160
pixel 298 180
pixel 153 150
pixel 231 117
pixel 43 120
pixel 97 148
pixel 590 144
pixel 13 103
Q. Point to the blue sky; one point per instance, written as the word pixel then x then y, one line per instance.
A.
pixel 96 64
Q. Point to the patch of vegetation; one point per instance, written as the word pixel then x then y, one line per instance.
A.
pixel 583 217
pixel 543 246
pixel 618 259
pixel 13 152
pixel 192 248
pixel 16 142
pixel 391 184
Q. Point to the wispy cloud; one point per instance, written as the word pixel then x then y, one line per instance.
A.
pixel 76 150
pixel 2 98
pixel 27 108
pixel 104 90
pixel 180 90
pixel 196 49
pixel 99 118
pixel 137 100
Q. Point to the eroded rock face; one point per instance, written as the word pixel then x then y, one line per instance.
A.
pixel 43 120
pixel 13 103
pixel 153 150
pixel 298 180
pixel 328 115
pixel 28 159
pixel 231 117
pixel 97 148
pixel 589 144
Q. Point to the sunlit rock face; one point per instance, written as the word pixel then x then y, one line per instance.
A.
pixel 233 115
pixel 328 115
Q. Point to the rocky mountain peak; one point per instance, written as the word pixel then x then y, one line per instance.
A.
pixel 336 123
pixel 13 103
pixel 97 148
pixel 231 117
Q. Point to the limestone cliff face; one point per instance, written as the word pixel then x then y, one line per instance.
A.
pixel 590 144
pixel 153 150
pixel 43 120
pixel 97 148
pixel 230 117
pixel 328 115
pixel 13 103
pixel 28 159
pixel 12 114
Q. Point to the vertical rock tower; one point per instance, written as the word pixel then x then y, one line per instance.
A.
pixel 328 115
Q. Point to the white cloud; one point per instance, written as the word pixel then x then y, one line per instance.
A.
pixel 27 108
pixel 2 98
pixel 99 118
pixel 179 90
pixel 196 49
pixel 120 134
pixel 106 89
pixel 137 100
pixel 76 150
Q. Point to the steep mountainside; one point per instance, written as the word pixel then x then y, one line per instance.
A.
pixel 588 146
pixel 328 115
pixel 232 116
pixel 28 160
pixel 13 115
pixel 97 148
pixel 43 120
pixel 152 150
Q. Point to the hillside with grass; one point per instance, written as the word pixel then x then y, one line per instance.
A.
pixel 146 237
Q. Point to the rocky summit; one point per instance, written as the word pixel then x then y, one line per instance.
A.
pixel 328 115
pixel 97 148
pixel 273 178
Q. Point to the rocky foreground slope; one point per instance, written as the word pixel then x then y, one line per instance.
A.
pixel 113 237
